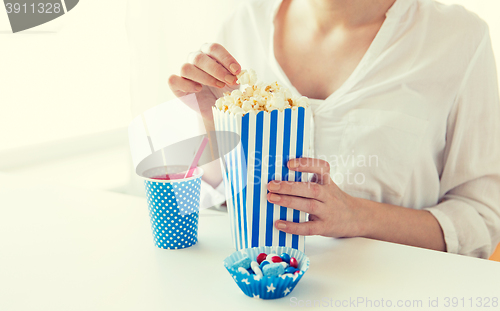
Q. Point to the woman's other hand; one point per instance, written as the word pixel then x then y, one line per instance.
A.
pixel 332 212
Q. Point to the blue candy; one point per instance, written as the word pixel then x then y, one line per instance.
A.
pixel 243 262
pixel 285 257
pixel 290 270
pixel 262 264
pixel 273 269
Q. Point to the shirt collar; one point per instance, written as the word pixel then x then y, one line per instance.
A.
pixel 399 8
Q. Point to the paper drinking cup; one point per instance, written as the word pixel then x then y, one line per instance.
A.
pixel 173 206
pixel 267 142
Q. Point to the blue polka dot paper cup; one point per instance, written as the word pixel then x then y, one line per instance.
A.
pixel 266 287
pixel 173 206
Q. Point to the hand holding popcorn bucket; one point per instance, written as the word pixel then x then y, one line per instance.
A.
pixel 269 138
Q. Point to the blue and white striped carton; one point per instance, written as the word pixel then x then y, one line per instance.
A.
pixel 267 142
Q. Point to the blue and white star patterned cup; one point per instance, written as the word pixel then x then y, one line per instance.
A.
pixel 266 287
pixel 173 207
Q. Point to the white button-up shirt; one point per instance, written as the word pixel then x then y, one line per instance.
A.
pixel 417 124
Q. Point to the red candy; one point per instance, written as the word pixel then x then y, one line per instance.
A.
pixel 276 259
pixel 294 263
pixel 297 272
pixel 261 257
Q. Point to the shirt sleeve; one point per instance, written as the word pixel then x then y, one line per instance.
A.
pixel 210 196
pixel 469 208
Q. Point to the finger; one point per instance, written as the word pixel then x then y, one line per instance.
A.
pixel 315 178
pixel 213 68
pixel 310 165
pixel 221 55
pixel 301 189
pixel 310 206
pixel 304 228
pixel 191 72
pixel 313 217
pixel 184 85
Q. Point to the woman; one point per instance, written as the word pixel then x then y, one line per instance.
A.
pixel 409 84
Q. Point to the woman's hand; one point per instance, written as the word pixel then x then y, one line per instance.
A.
pixel 212 66
pixel 332 212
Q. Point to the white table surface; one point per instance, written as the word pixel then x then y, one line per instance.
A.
pixel 64 248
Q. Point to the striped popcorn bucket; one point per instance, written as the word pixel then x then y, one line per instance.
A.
pixel 267 142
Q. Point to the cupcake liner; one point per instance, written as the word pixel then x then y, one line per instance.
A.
pixel 268 141
pixel 173 210
pixel 266 287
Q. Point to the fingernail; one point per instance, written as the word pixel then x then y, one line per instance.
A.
pixel 275 197
pixel 220 84
pixel 234 68
pixel 274 186
pixel 229 79
pixel 292 164
pixel 198 88
pixel 280 225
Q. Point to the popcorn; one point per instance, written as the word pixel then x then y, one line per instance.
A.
pixel 303 102
pixel 237 110
pixel 258 96
pixel 236 93
pixel 277 101
pixel 247 77
pixel 219 103
pixel 247 106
